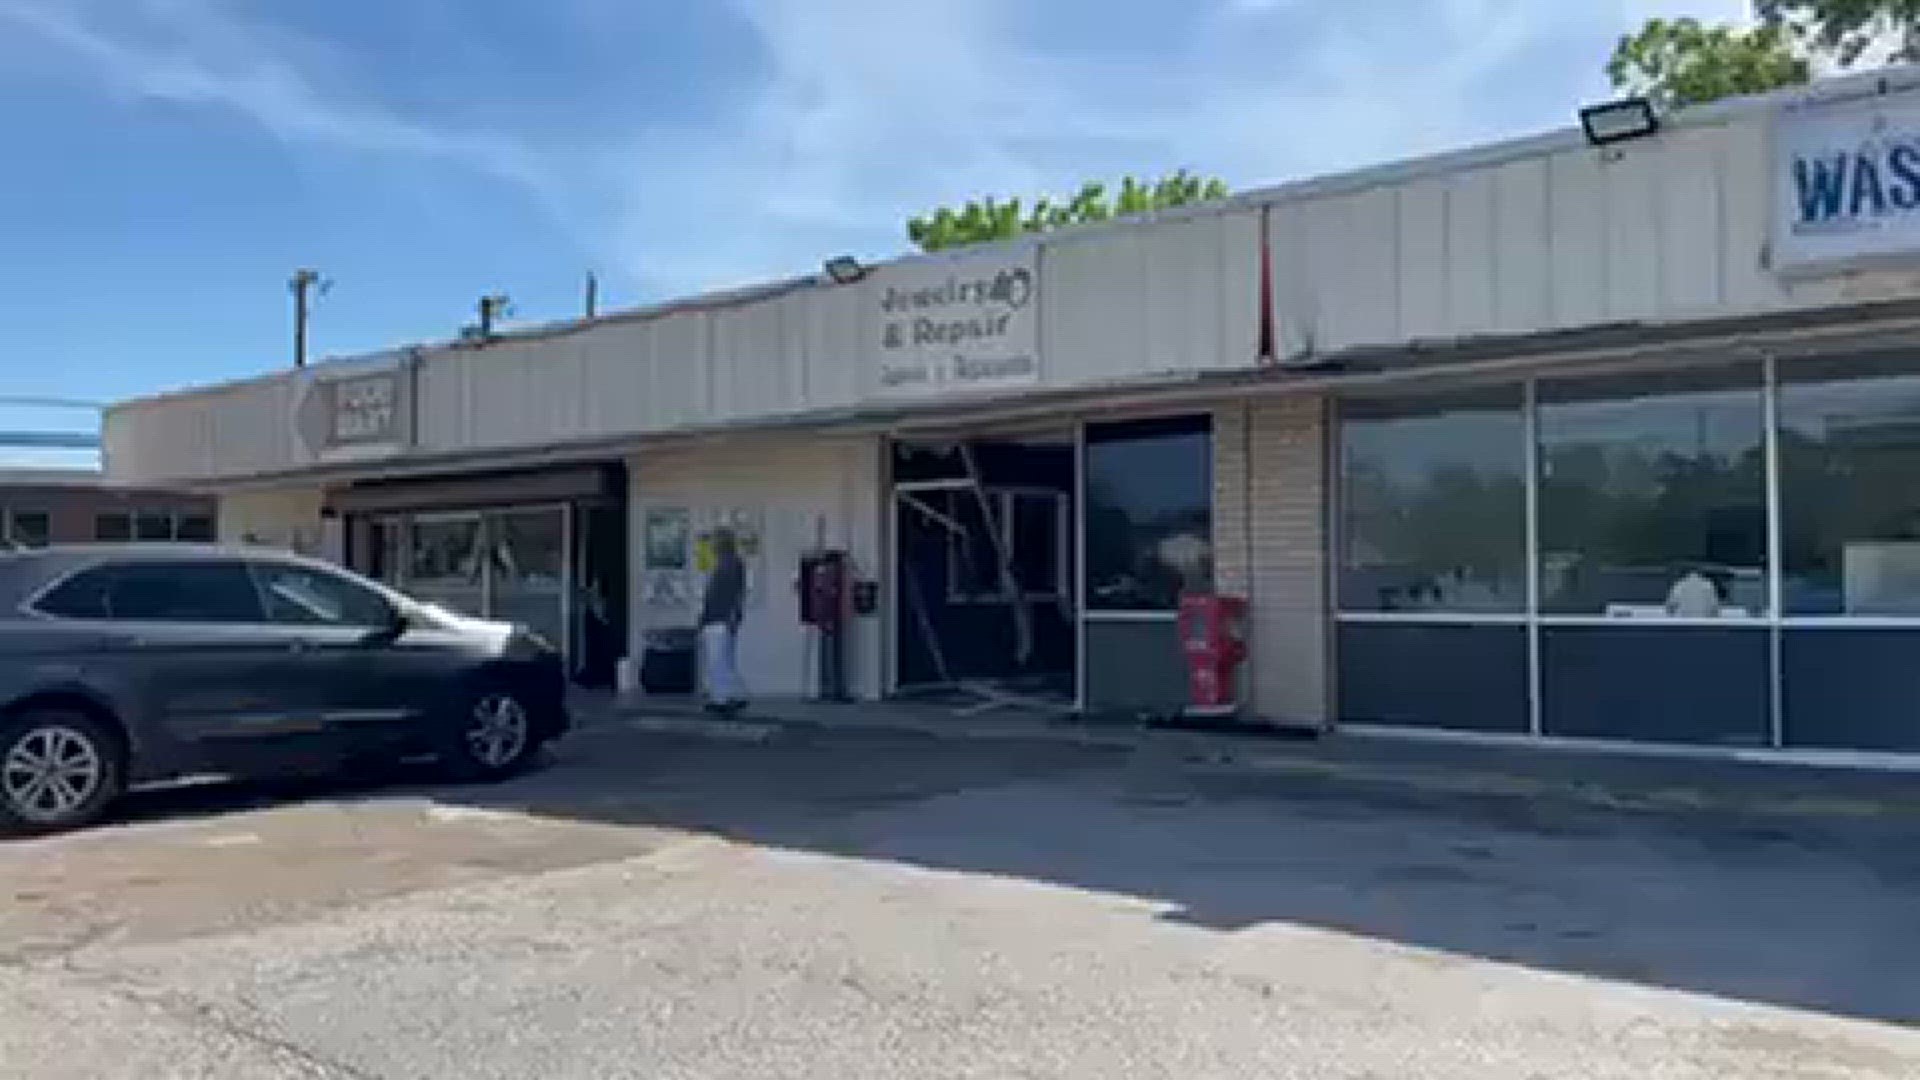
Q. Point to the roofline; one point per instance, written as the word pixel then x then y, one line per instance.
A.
pixel 1349 369
pixel 1891 79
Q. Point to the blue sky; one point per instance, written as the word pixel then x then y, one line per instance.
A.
pixel 170 162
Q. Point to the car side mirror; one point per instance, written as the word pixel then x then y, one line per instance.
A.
pixel 398 623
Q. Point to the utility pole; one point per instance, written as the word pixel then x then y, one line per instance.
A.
pixel 593 294
pixel 302 282
pixel 492 306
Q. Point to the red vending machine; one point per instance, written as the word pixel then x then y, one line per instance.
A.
pixel 1213 637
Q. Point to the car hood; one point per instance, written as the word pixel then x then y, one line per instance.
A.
pixel 490 630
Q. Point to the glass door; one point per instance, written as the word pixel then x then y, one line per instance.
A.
pixel 441 562
pixel 527 563
pixel 509 565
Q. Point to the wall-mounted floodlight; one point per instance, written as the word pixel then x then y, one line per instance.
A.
pixel 1617 121
pixel 844 269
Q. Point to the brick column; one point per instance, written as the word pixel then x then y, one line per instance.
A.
pixel 1270 543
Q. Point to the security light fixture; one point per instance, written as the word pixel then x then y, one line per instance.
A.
pixel 1617 121
pixel 844 269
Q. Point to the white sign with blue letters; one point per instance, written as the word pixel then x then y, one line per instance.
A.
pixel 1847 184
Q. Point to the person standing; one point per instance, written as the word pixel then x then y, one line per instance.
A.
pixel 720 612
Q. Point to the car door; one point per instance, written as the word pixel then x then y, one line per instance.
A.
pixel 381 674
pixel 190 641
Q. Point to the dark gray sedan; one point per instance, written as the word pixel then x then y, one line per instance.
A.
pixel 128 664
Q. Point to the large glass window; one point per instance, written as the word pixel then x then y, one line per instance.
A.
pixel 154 525
pixel 1850 486
pixel 197 528
pixel 444 562
pixel 1652 495
pixel 1149 507
pixel 1434 504
pixel 113 527
pixel 528 553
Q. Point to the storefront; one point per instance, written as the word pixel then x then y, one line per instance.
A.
pixel 545 548
pixel 1718 554
pixel 1536 440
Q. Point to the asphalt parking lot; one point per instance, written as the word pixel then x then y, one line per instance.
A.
pixel 853 904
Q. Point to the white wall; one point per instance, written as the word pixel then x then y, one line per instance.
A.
pixel 805 491
pixel 1664 229
pixel 286 517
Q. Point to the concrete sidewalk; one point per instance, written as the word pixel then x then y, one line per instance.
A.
pixel 1632 779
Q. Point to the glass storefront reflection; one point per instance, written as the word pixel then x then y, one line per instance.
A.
pixel 1149 513
pixel 1653 495
pixel 1653 555
pixel 442 562
pixel 1850 486
pixel 497 564
pixel 1433 510
pixel 527 561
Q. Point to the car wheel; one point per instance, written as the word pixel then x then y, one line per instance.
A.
pixel 58 770
pixel 494 736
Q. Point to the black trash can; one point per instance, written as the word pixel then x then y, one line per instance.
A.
pixel 668 663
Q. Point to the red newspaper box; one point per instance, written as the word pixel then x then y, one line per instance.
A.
pixel 1213 637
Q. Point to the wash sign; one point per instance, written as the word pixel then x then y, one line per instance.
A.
pixel 1847 184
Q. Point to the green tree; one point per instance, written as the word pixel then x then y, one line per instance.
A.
pixel 990 218
pixel 1681 62
pixel 1844 30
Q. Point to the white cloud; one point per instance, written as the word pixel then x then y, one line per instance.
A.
pixel 864 113
pixel 871 112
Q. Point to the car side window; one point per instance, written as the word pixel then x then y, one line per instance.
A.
pixel 82 596
pixel 305 596
pixel 158 591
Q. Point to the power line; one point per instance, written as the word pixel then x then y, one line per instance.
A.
pixel 48 440
pixel 51 402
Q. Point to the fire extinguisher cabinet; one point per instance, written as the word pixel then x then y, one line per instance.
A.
pixel 1213 639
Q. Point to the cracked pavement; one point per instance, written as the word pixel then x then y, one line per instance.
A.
pixel 888 905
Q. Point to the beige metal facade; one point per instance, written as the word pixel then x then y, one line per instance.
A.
pixel 1261 311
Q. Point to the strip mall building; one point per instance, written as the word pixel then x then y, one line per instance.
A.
pixel 1540 440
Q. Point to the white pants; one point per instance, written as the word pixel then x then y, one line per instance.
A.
pixel 719 665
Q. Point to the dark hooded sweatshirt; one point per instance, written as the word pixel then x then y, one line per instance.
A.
pixel 726 592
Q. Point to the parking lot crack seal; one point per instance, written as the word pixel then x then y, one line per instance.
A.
pixel 199 1012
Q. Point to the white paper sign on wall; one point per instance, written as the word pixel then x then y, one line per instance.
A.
pixel 957 324
pixel 1846 184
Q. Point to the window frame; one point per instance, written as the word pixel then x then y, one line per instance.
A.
pixel 1427 403
pixel 1003 498
pixel 1552 392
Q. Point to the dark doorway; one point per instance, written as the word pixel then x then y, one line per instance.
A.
pixel 984 564
pixel 600 576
